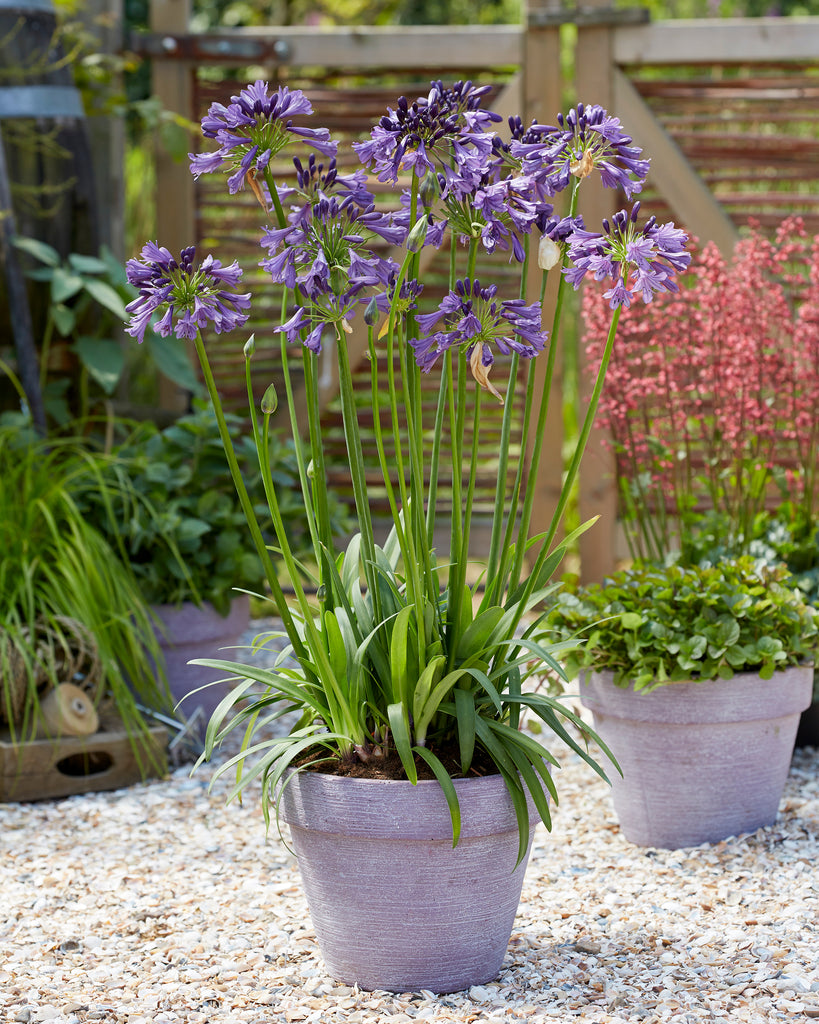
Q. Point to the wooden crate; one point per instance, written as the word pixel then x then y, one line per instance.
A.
pixel 43 769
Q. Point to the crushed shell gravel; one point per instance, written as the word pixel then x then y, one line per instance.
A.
pixel 158 903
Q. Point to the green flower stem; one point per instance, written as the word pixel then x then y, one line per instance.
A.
pixel 574 465
pixel 499 514
pixel 410 555
pixel 540 428
pixel 355 454
pixel 318 473
pixel 296 435
pixel 244 499
pixel 344 716
pixel 411 378
pixel 440 412
pixel 458 555
pixel 379 444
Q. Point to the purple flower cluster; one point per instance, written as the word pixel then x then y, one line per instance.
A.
pixel 470 317
pixel 639 261
pixel 587 138
pixel 189 297
pixel 326 248
pixel 252 129
pixel 324 251
pixel 431 132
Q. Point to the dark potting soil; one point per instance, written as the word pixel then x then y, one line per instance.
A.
pixel 390 766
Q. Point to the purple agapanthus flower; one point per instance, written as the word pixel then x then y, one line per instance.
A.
pixel 639 261
pixel 430 133
pixel 471 318
pixel 189 297
pixel 253 128
pixel 587 138
pixel 324 251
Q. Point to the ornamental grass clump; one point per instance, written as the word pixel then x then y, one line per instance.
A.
pixel 712 403
pixel 399 656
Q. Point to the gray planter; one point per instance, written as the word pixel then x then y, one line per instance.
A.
pixel 701 761
pixel 394 906
pixel 189 632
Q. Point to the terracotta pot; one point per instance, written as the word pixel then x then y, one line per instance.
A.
pixel 701 761
pixel 193 632
pixel 394 906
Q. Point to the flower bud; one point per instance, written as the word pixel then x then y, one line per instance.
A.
pixel 270 400
pixel 417 237
pixel 548 253
pixel 311 472
pixel 250 346
pixel 428 192
pixel 371 313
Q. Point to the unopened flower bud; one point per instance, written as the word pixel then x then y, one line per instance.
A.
pixel 371 313
pixel 417 237
pixel 310 470
pixel 548 253
pixel 270 400
pixel 250 346
pixel 428 192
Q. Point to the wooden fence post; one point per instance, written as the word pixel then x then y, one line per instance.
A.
pixel 542 100
pixel 172 84
pixel 598 485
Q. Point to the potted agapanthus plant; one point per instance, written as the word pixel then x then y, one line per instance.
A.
pixel 698 657
pixel 411 677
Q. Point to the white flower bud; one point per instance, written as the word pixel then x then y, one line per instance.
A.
pixel 548 253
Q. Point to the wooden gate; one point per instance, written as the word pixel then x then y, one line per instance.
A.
pixel 725 109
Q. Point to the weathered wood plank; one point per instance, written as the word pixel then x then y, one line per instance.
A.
pixel 718 41
pixel 597 493
pixel 410 47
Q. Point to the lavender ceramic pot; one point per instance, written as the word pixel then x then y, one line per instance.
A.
pixel 701 761
pixel 394 906
pixel 189 631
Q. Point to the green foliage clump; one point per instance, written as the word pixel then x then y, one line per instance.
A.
pixel 176 516
pixel 59 577
pixel 652 625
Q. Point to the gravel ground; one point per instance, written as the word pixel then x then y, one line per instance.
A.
pixel 159 903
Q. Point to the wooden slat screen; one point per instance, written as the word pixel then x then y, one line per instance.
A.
pixel 752 133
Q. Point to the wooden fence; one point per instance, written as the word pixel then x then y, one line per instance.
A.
pixel 725 108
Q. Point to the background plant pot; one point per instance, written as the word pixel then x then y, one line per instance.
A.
pixel 807 734
pixel 700 761
pixel 394 906
pixel 190 631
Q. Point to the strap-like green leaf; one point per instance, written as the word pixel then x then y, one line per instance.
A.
pixel 443 777
pixel 474 639
pixel 399 723
pixel 465 715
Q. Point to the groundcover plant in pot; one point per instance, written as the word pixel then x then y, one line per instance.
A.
pixel 696 678
pixel 409 788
